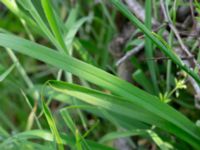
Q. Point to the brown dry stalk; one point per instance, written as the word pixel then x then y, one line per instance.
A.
pixel 182 52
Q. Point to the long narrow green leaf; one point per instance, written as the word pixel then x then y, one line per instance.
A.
pixel 6 73
pixel 47 136
pixel 99 77
pixel 149 46
pixel 73 30
pixel 28 5
pixel 127 108
pixel 118 120
pixel 122 134
pixel 141 79
pixel 3 132
pixel 47 6
pixel 68 120
pixel 70 123
pixel 158 41
pixel 52 126
pixel 12 6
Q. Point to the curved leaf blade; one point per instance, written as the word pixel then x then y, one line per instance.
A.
pixel 99 77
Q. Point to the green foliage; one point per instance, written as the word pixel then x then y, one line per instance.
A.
pixel 82 106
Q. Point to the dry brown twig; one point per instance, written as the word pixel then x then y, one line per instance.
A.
pixel 138 10
pixel 135 50
pixel 130 53
pixel 124 66
pixel 183 53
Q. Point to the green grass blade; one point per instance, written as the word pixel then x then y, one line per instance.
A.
pixel 158 41
pixel 52 126
pixel 72 17
pixel 6 73
pixel 141 79
pixel 48 9
pixel 149 46
pixel 99 77
pixel 70 123
pixel 28 5
pixel 68 120
pixel 47 136
pixel 3 133
pixel 12 6
pixel 73 29
pixel 130 109
pixel 121 134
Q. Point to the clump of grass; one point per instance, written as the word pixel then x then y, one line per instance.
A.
pixel 78 95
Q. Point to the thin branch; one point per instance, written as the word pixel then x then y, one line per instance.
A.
pixel 130 53
pixel 173 28
pixel 135 50
pixel 139 11
pixel 187 52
